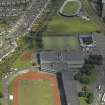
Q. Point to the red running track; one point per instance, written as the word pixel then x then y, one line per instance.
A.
pixel 36 76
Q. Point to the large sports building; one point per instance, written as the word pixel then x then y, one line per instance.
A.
pixel 13 7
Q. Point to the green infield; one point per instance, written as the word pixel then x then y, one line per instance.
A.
pixel 65 25
pixel 63 42
pixel 70 8
pixel 35 92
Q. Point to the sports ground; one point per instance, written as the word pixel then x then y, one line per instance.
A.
pixel 34 88
pixel 57 42
pixel 64 25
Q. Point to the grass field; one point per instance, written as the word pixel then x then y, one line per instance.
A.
pixel 1 86
pixel 83 102
pixel 37 92
pixel 63 42
pixel 70 8
pixel 65 25
pixel 23 61
pixel 93 76
pixel 35 88
pixel 1 91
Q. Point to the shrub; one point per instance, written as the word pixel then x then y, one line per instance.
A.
pixel 1 95
pixel 85 88
pixel 77 76
pixel 95 59
pixel 90 98
pixel 81 94
pixel 84 79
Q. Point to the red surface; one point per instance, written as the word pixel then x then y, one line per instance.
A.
pixel 36 76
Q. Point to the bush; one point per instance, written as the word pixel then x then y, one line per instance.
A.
pixel 87 69
pixel 1 95
pixel 95 59
pixel 81 94
pixel 84 79
pixel 77 76
pixel 90 98
pixel 85 88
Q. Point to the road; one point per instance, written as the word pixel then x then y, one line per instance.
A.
pixel 100 49
pixel 100 45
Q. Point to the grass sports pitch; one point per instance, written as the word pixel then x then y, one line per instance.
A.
pixel 34 88
pixel 60 42
pixel 36 92
pixel 64 25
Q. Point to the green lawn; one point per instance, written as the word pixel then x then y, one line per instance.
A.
pixel 93 76
pixel 1 90
pixel 65 25
pixel 70 8
pixel 1 86
pixel 36 92
pixel 63 42
pixel 83 101
pixel 23 61
pixel 21 64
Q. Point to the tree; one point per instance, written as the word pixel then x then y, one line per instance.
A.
pixel 77 76
pixel 81 94
pixel 85 88
pixel 94 59
pixel 84 79
pixel 90 98
pixel 1 95
pixel 87 69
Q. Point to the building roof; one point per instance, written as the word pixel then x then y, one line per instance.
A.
pixel 58 61
pixel 70 88
pixel 71 56
pixel 61 56
pixel 49 56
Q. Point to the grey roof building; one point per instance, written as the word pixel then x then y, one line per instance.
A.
pixel 60 60
pixel 87 41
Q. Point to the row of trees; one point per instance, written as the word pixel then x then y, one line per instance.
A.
pixel 1 96
pixel 85 74
pixel 89 96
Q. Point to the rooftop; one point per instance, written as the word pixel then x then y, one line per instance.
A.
pixel 57 61
pixel 63 56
